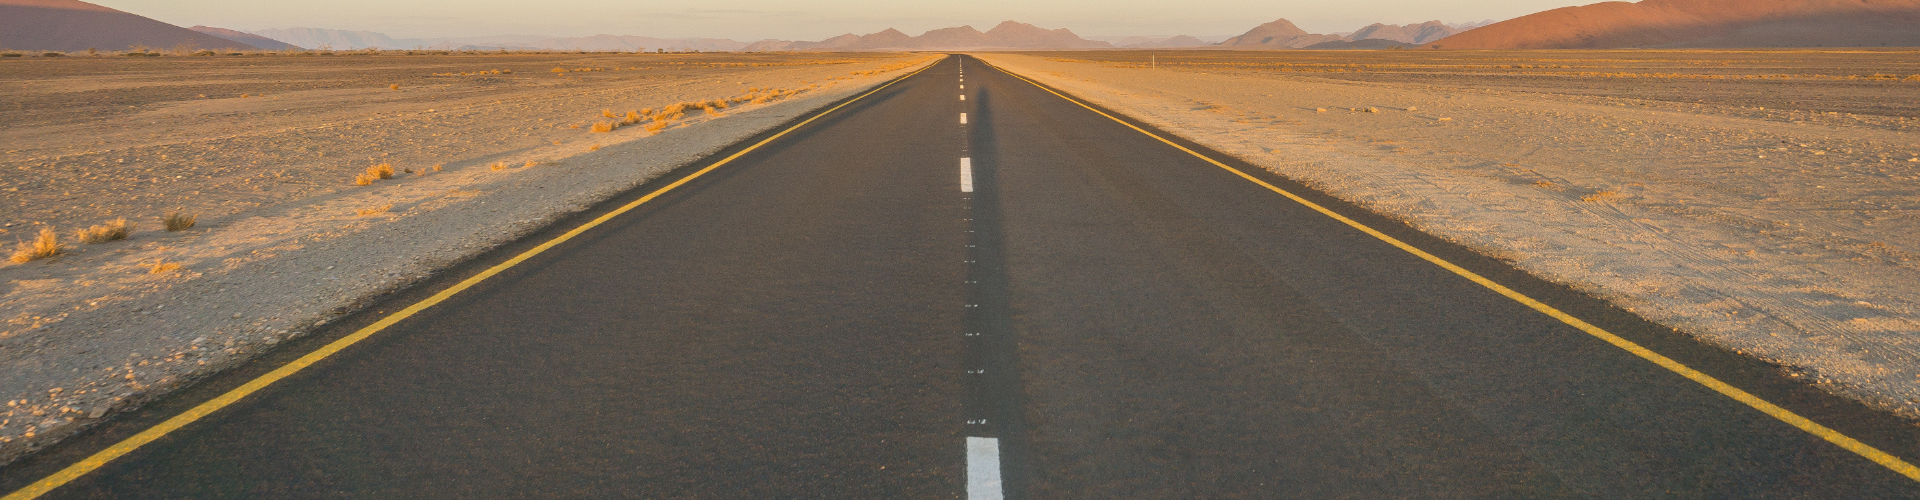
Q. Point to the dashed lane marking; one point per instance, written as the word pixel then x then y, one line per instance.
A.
pixel 983 469
pixel 963 118
pixel 966 175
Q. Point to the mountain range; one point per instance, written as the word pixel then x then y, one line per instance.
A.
pixel 1282 34
pixel 315 38
pixel 1006 35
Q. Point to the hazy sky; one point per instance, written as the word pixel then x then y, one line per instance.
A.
pixel 749 20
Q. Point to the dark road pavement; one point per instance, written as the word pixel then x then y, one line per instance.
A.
pixel 1075 310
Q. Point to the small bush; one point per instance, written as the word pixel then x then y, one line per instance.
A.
pixel 47 245
pixel 438 166
pixel 205 53
pixel 498 166
pixel 364 179
pixel 10 54
pixel 394 86
pixel 603 127
pixel 178 221
pixel 117 229
pixel 595 147
pixel 53 54
pixel 608 113
pixel 381 171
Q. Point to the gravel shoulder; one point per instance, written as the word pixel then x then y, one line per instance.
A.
pixel 286 241
pixel 1788 234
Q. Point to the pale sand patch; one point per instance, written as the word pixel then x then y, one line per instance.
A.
pixel 97 331
pixel 1792 241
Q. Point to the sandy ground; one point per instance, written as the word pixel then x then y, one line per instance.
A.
pixel 1765 202
pixel 286 240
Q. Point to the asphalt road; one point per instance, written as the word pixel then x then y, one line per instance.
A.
pixel 833 315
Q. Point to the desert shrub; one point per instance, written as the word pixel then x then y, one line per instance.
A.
pixel 53 54
pixel 178 221
pixel 46 245
pixel 602 127
pixel 383 171
pixel 439 166
pixel 608 113
pixel 394 86
pixel 117 229
pixel 163 268
pixel 498 166
pixel 631 118
pixel 205 53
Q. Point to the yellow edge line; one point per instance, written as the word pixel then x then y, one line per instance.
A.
pixel 1783 414
pixel 126 446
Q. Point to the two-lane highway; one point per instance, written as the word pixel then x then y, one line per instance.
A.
pixel 1001 294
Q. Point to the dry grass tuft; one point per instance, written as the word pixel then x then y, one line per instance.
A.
pixel 531 163
pixel 438 166
pixel 394 86
pixel 608 113
pixel 47 245
pixel 498 166
pixel 603 127
pixel 384 170
pixel 164 267
pixel 1608 195
pixel 363 179
pixel 116 229
pixel 364 212
pixel 595 147
pixel 178 221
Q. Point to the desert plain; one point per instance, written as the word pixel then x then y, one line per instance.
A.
pixel 1764 201
pixel 316 181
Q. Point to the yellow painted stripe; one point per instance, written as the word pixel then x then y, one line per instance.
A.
pixel 1784 415
pixel 126 446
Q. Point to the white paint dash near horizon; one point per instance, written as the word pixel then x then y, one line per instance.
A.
pixel 963 97
pixel 983 469
pixel 966 175
pixel 963 118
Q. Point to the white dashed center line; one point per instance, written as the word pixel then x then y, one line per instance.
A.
pixel 983 469
pixel 963 97
pixel 966 175
pixel 963 118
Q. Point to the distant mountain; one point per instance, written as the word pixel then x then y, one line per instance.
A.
pixel 245 37
pixel 1415 34
pixel 1367 44
pixel 1279 34
pixel 1177 41
pixel 1007 35
pixel 1704 23
pixel 70 25
pixel 1282 34
pixel 314 38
